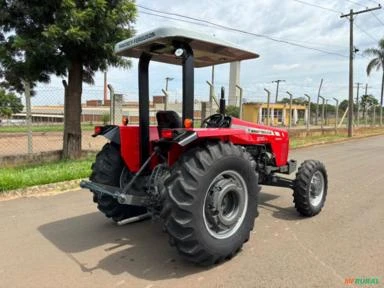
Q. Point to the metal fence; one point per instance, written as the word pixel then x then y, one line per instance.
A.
pixel 39 127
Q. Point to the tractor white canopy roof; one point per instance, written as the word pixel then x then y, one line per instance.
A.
pixel 207 50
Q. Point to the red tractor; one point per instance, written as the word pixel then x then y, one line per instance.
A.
pixel 202 182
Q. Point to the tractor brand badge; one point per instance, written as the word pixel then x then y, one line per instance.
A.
pixel 137 40
pixel 252 130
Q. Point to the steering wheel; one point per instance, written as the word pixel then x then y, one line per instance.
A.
pixel 214 121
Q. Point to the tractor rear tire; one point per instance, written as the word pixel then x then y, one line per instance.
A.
pixel 310 188
pixel 107 170
pixel 211 202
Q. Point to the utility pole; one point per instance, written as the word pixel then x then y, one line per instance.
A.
pixel 350 98
pixel 277 87
pixel 358 104
pixel 318 98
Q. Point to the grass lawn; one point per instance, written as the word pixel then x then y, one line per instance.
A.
pixel 26 176
pixel 296 142
pixel 42 128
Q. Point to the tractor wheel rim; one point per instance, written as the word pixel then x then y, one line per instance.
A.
pixel 316 188
pixel 225 204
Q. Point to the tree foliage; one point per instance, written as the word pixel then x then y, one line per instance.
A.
pixel 9 104
pixel 69 38
pixel 367 101
pixel 377 63
pixel 232 110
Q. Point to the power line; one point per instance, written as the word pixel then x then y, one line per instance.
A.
pixel 356 3
pixel 339 12
pixel 377 18
pixel 374 15
pixel 350 16
pixel 318 6
pixel 237 30
pixel 365 32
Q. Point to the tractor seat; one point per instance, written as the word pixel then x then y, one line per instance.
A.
pixel 167 119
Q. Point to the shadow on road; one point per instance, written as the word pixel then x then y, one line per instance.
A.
pixel 282 213
pixel 140 249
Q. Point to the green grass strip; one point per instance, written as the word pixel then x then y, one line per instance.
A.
pixel 296 142
pixel 41 128
pixel 26 176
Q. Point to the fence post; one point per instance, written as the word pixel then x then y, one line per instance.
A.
pixel 27 93
pixel 240 101
pixel 290 109
pixel 268 102
pixel 309 111
pixel 212 97
pixel 112 104
pixel 322 112
pixel 165 99
pixel 337 114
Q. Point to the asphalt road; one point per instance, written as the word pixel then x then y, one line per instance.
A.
pixel 62 241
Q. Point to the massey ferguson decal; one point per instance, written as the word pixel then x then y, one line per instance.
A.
pixel 252 130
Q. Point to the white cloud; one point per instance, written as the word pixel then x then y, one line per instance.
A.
pixel 285 67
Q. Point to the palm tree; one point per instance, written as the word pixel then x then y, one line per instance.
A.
pixel 378 63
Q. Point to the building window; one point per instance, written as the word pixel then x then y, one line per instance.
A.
pixel 264 115
pixel 278 115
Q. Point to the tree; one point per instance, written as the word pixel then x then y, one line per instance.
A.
pixel 232 110
pixel 367 101
pixel 377 63
pixel 70 38
pixel 9 104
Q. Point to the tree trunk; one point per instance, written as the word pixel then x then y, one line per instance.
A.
pixel 72 111
pixel 381 100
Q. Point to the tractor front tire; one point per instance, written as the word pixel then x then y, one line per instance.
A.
pixel 211 202
pixel 107 170
pixel 310 188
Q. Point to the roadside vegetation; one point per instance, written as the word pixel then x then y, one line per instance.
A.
pixel 42 128
pixel 26 176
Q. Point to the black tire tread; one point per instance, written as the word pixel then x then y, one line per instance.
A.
pixel 177 213
pixel 301 186
pixel 107 170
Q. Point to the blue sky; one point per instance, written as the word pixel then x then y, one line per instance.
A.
pixel 295 21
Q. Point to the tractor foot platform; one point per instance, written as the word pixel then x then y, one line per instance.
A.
pixel 116 193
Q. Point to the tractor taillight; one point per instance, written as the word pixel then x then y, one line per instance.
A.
pixel 98 130
pixel 167 134
pixel 188 123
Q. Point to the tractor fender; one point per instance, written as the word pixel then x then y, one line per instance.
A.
pixel 111 132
